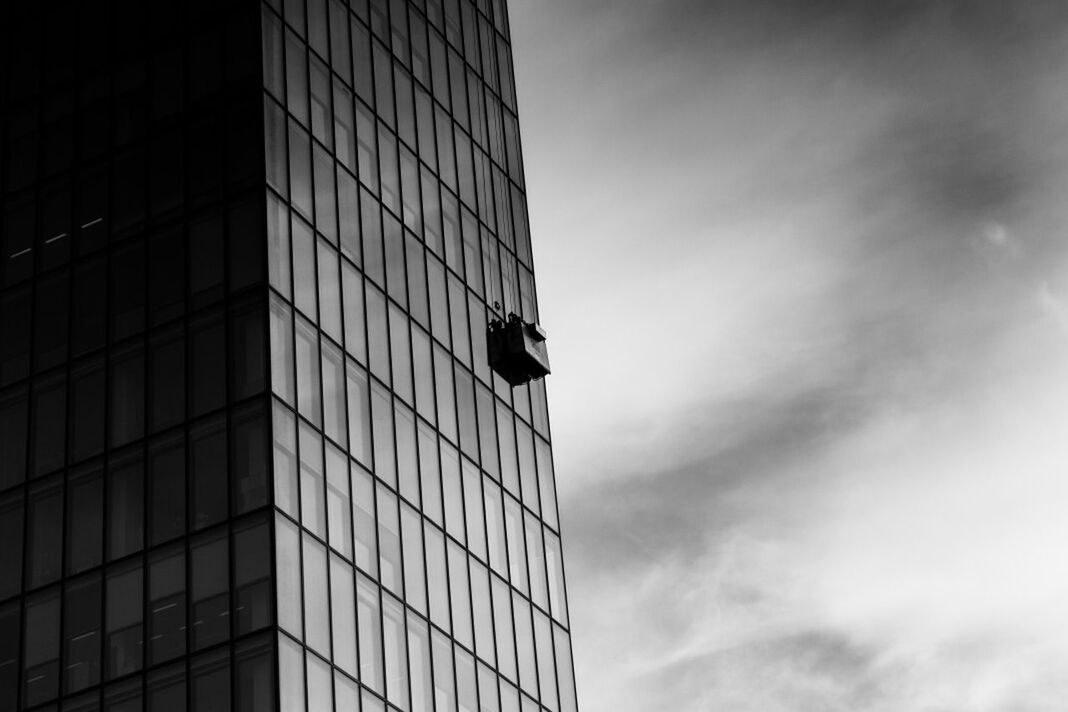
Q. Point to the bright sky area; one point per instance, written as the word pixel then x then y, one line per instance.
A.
pixel 804 269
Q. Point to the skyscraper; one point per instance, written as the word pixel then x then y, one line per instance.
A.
pixel 252 454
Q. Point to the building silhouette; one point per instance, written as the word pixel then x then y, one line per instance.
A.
pixel 252 455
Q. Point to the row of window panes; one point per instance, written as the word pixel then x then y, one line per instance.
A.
pixel 185 480
pixel 143 386
pixel 113 100
pixel 475 172
pixel 339 501
pixel 405 31
pixel 336 394
pixel 324 285
pixel 206 683
pixel 490 268
pixel 347 618
pixel 477 109
pixel 437 674
pixel 141 612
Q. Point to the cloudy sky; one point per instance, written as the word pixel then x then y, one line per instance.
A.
pixel 804 268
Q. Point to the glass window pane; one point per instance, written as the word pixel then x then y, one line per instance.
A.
pixel 359 420
pixel 125 506
pixel 488 697
pixel 466 689
pixel 167 487
pixel 343 615
pixel 123 619
pixel 287 566
pixel 167 605
pixel 11 516
pixel 338 501
pixel 282 350
pixel 81 639
pixel 329 291
pixel 546 663
pixel 249 457
pixel 49 409
pixel 207 357
pixel 460 595
pixel 14 416
pixel 300 171
pixel 347 693
pixel 210 682
pixel 211 590
pixel 252 576
pixel 430 473
pixel 517 550
pixel 498 552
pixel 382 415
pixel 320 689
pixel 334 416
pixel 524 642
pixel 312 481
pixel 369 625
pixel 453 493
pixel 482 612
pixel 444 688
pixel 476 528
pixel 291 674
pixel 40 652
pixel 396 652
pixel 502 626
pixel 317 604
pixel 437 577
pixel 536 558
pixel 278 244
pixel 363 515
pixel 389 546
pixel 254 677
pixel 309 393
pixel 419 664
pixel 87 400
pixel 414 568
pixel 44 533
pixel 166 689
pixel 285 460
pixel 208 475
pixel 564 670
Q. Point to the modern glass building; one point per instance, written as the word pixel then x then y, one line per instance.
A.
pixel 252 456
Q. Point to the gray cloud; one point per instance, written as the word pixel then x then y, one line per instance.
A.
pixel 828 239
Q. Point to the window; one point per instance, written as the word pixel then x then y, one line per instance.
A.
pixel 40 652
pixel 166 487
pixel 123 619
pixel 316 597
pixel 312 481
pixel 210 589
pixel 287 566
pixel 369 626
pixel 338 501
pixel 252 576
pixel 44 533
pixel 343 615
pixel 166 604
pixel 81 642
pixel 208 476
pixel 11 544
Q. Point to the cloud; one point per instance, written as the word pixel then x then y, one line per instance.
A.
pixel 802 266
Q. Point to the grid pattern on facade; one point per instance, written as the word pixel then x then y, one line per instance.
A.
pixel 417 539
pixel 135 533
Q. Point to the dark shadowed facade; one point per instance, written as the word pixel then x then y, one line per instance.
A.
pixel 252 456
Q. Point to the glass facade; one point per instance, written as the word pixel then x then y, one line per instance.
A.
pixel 252 456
